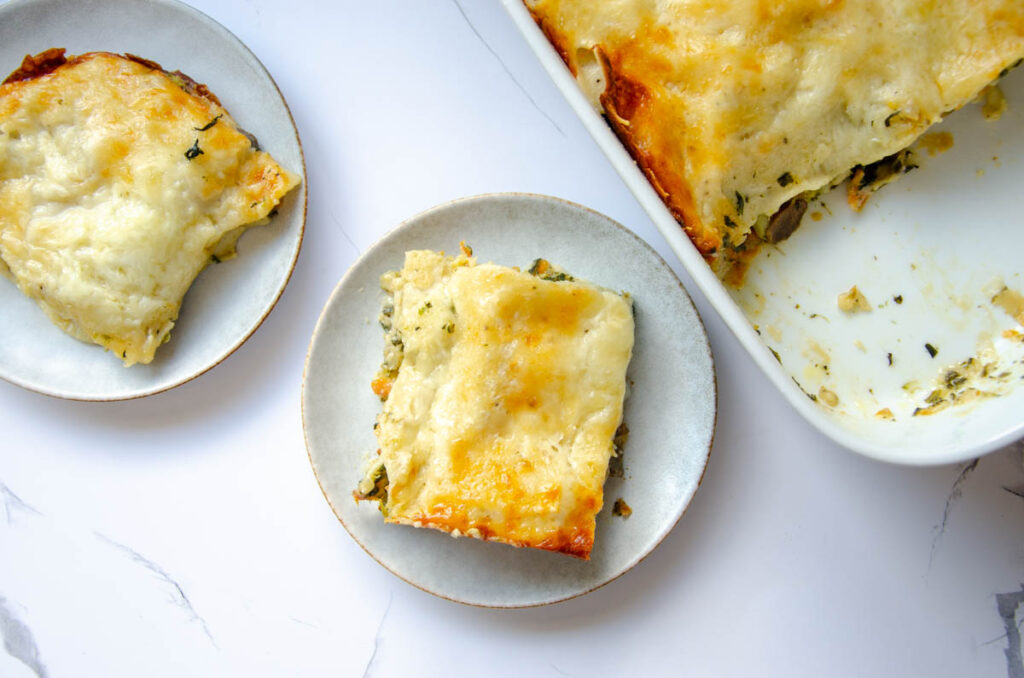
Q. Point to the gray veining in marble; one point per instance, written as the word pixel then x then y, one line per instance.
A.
pixel 18 640
pixel 505 68
pixel 13 503
pixel 1017 488
pixel 955 492
pixel 371 665
pixel 343 231
pixel 303 622
pixel 180 599
pixel 1008 605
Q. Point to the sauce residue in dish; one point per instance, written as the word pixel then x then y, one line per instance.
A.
pixel 936 142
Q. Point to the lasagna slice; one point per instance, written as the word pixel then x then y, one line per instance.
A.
pixel 119 183
pixel 739 112
pixel 502 394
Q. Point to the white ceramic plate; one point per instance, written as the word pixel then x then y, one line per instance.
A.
pixel 670 413
pixel 938 239
pixel 228 301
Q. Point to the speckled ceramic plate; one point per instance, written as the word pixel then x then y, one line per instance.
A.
pixel 228 301
pixel 670 412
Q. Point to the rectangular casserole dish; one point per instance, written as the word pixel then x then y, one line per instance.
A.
pixel 931 373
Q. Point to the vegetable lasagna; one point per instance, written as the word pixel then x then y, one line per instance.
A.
pixel 741 111
pixel 119 183
pixel 502 391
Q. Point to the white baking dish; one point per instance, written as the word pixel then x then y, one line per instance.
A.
pixel 928 252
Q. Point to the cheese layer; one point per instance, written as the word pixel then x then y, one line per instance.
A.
pixel 116 187
pixel 734 108
pixel 500 422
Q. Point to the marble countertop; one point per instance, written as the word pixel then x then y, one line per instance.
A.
pixel 184 533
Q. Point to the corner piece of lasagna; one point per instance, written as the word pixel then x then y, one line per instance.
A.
pixel 740 112
pixel 502 391
pixel 119 183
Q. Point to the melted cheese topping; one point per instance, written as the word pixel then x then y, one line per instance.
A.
pixel 115 190
pixel 734 108
pixel 500 422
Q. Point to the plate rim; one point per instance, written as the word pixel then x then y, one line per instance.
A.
pixel 302 216
pixel 705 347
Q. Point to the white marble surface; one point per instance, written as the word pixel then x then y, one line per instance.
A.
pixel 184 534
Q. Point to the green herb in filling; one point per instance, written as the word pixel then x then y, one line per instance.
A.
pixel 194 152
pixel 209 124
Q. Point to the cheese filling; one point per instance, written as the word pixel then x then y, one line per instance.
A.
pixel 738 111
pixel 503 391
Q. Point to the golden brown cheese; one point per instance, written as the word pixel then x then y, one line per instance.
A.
pixel 502 402
pixel 118 184
pixel 738 111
